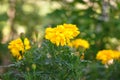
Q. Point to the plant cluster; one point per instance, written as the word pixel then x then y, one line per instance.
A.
pixel 60 56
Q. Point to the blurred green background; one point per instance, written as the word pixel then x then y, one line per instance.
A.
pixel 98 21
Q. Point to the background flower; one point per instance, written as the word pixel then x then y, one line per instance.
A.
pixel 79 43
pixel 18 47
pixel 107 55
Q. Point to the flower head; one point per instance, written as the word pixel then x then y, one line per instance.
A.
pixel 79 43
pixel 107 55
pixel 61 34
pixel 17 47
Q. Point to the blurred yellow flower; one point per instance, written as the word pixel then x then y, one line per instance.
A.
pixel 79 43
pixel 107 55
pixel 61 34
pixel 17 47
pixel 26 44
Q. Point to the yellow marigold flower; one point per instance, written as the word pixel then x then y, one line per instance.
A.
pixel 107 55
pixel 61 34
pixel 17 47
pixel 79 43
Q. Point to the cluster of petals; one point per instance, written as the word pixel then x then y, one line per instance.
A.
pixel 61 34
pixel 77 43
pixel 17 47
pixel 107 55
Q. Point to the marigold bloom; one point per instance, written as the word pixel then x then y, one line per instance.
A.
pixel 17 47
pixel 61 34
pixel 79 43
pixel 107 55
